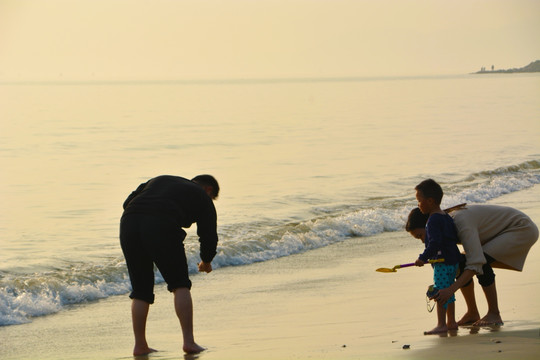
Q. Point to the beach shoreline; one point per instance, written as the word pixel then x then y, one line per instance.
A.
pixel 327 303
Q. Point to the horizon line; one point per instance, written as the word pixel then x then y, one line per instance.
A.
pixel 224 81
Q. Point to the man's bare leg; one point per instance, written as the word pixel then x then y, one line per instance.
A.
pixel 183 306
pixel 493 316
pixel 139 314
pixel 472 315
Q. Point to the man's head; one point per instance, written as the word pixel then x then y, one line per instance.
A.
pixel 209 184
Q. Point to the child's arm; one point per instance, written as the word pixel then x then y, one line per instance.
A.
pixel 434 235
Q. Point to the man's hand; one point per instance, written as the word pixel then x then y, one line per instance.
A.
pixel 419 262
pixel 443 295
pixel 205 267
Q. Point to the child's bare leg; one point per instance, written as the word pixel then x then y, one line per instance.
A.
pixel 472 315
pixel 139 314
pixel 441 321
pixel 451 316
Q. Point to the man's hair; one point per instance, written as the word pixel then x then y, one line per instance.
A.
pixel 430 189
pixel 416 220
pixel 208 180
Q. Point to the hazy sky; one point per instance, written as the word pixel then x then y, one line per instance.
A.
pixel 208 39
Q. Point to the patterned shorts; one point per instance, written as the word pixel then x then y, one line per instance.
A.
pixel 444 276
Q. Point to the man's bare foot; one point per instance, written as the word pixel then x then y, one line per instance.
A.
pixel 437 330
pixel 469 319
pixel 143 350
pixel 490 319
pixel 193 348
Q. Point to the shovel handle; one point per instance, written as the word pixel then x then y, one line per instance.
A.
pixel 435 261
pixel 404 265
pixel 412 264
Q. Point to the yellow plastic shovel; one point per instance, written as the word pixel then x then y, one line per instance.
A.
pixel 394 269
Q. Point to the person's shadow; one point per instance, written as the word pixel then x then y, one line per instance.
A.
pixel 192 356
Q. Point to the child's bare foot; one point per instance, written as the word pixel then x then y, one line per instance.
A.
pixel 437 330
pixel 490 319
pixel 452 326
pixel 142 350
pixel 469 319
pixel 193 348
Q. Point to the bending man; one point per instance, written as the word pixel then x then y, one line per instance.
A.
pixel 151 233
pixel 492 237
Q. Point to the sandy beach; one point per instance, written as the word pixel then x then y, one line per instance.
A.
pixel 328 303
pixel 317 119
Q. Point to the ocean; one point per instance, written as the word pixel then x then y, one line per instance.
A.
pixel 302 164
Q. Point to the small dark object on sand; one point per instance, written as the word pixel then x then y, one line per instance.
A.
pixel 344 346
pixel 406 347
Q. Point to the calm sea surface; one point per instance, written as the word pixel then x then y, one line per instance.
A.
pixel 301 163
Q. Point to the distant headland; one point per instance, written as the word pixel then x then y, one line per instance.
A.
pixel 532 67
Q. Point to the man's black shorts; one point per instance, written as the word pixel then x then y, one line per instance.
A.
pixel 488 276
pixel 147 240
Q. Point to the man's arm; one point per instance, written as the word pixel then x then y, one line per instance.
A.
pixel 207 231
pixel 444 294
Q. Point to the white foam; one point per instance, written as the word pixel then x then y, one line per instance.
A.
pixel 25 296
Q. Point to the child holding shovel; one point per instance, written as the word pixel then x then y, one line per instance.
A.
pixel 440 238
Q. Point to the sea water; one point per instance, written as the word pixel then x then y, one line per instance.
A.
pixel 302 163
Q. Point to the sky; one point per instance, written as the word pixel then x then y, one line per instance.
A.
pixel 246 39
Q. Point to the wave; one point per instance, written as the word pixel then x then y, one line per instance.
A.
pixel 24 296
pixel 490 184
pixel 530 165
